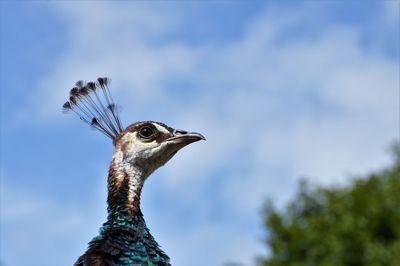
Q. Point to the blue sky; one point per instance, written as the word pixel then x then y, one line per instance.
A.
pixel 281 91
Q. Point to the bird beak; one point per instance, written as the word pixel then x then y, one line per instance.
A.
pixel 185 138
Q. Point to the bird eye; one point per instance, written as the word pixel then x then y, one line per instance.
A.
pixel 146 132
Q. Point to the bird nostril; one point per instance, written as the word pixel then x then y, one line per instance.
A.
pixel 181 132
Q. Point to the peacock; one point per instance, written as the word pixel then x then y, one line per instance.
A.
pixel 141 148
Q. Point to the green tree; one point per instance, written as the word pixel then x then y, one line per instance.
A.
pixel 354 225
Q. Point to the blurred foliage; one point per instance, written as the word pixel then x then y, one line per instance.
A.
pixel 354 225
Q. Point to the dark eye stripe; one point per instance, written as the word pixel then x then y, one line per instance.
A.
pixel 158 136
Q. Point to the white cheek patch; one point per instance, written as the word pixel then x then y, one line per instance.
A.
pixel 161 128
pixel 133 138
pixel 137 148
pixel 130 137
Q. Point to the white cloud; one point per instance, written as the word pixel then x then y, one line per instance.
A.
pixel 117 41
pixel 30 221
pixel 390 13
pixel 272 110
pixel 46 230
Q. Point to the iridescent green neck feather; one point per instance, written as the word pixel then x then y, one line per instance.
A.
pixel 125 239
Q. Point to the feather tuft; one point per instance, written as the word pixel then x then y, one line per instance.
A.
pixel 103 81
pixel 95 108
pixel 84 91
pixel 74 91
pixel 94 121
pixel 91 85
pixel 66 107
pixel 80 84
pixel 100 81
pixel 72 100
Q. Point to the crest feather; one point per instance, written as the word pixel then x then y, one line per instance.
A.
pixel 93 103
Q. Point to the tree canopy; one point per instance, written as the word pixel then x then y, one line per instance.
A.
pixel 358 224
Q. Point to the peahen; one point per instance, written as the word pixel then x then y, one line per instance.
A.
pixel 141 148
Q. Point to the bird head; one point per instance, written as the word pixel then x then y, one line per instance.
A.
pixel 150 145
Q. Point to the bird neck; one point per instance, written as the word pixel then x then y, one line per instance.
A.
pixel 125 183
